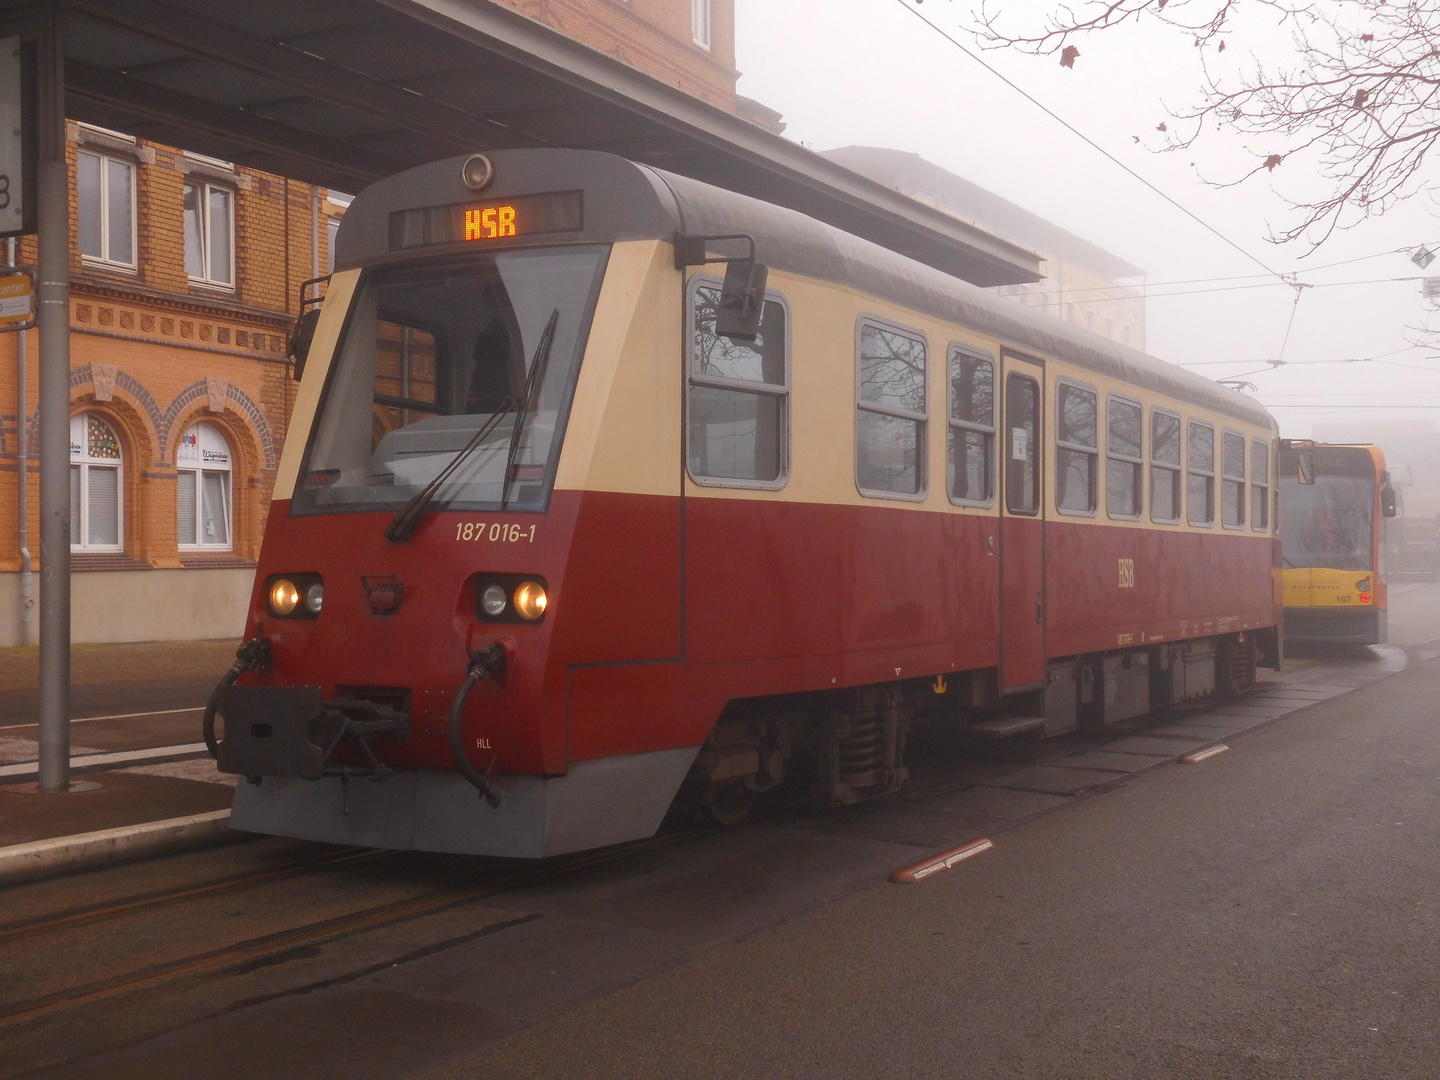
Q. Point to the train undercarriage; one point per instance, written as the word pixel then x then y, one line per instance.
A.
pixel 849 745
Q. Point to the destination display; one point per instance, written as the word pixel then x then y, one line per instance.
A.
pixel 481 222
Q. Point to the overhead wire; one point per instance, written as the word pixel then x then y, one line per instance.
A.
pixel 1092 143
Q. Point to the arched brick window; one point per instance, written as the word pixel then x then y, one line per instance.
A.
pixel 203 513
pixel 96 487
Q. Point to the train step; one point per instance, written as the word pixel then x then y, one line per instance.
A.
pixel 1004 727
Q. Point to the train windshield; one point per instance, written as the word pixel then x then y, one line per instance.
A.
pixel 472 359
pixel 1329 524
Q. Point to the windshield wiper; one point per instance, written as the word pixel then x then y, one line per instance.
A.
pixel 533 382
pixel 402 526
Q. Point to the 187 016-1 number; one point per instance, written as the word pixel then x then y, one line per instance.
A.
pixel 496 532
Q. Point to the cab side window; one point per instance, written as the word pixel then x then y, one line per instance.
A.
pixel 737 400
pixel 1259 485
pixel 1164 467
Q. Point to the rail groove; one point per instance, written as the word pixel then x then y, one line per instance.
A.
pixel 318 933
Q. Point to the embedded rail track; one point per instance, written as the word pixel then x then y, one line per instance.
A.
pixel 255 950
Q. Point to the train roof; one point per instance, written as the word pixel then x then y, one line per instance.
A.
pixel 623 200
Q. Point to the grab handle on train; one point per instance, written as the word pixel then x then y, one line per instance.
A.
pixel 487 663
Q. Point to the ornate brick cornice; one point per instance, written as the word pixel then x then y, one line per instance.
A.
pixel 121 292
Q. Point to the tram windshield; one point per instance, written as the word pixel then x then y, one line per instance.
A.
pixel 1328 524
pixel 437 354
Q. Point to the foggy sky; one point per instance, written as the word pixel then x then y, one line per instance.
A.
pixel 867 72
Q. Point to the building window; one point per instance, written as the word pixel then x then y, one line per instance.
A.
pixel 332 230
pixel 1124 458
pixel 890 414
pixel 209 233
pixel 105 204
pixel 1232 480
pixel 1259 485
pixel 1077 450
pixel 737 405
pixel 1200 494
pixel 1164 467
pixel 95 485
pixel 700 22
pixel 971 468
pixel 202 500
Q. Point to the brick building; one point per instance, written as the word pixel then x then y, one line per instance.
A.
pixel 185 277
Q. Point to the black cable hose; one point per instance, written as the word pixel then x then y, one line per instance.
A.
pixel 482 664
pixel 252 654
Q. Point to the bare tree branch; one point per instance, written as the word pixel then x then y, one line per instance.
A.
pixel 1356 101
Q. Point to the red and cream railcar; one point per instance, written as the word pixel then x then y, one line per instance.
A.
pixel 542 530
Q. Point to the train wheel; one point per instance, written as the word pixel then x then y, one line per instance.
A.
pixel 730 805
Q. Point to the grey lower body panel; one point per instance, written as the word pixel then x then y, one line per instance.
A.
pixel 599 802
pixel 1338 626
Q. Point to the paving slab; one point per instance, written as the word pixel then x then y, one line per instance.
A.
pixel 1106 761
pixel 123 798
pixel 989 805
pixel 1053 779
pixel 1139 744
pixel 910 826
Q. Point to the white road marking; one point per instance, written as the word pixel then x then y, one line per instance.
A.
pixel 154 753
pixel 117 716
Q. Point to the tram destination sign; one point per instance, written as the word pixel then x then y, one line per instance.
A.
pixel 493 219
pixel 17 157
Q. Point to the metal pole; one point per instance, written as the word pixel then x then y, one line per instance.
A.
pixel 53 207
pixel 22 508
pixel 314 231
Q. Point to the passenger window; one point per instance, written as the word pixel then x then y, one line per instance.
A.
pixel 1232 480
pixel 1077 453
pixel 1164 467
pixel 970 469
pixel 890 414
pixel 738 396
pixel 1200 496
pixel 1259 485
pixel 1022 455
pixel 1124 461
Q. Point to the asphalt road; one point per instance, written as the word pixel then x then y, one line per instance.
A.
pixel 1271 912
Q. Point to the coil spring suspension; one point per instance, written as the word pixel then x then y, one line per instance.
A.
pixel 859 751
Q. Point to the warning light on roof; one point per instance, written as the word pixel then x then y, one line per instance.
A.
pixel 492 223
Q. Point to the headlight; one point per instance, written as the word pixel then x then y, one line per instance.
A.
pixel 1363 585
pixel 530 600
pixel 315 597
pixel 493 600
pixel 284 597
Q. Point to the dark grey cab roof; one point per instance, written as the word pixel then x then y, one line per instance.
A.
pixel 628 201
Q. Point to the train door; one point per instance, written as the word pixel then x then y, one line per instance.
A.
pixel 1022 527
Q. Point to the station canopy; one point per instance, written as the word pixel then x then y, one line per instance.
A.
pixel 343 92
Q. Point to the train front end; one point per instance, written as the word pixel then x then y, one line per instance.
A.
pixel 403 681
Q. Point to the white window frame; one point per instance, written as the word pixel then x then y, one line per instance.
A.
pixel 759 389
pixel 86 463
pixel 205 184
pixel 1191 470
pixel 1093 452
pixel 1230 478
pixel 104 259
pixel 1114 455
pixel 922 435
pixel 1176 468
pixel 199 472
pixel 1260 482
pixel 953 425
pixel 701 23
